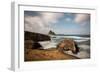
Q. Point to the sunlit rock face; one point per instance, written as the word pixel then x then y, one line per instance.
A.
pixel 68 44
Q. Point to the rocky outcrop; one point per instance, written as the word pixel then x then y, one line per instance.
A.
pixel 36 36
pixel 31 40
pixel 29 44
pixel 51 32
pixel 35 52
pixel 68 44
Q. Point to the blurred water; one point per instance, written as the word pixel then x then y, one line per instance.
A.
pixel 82 42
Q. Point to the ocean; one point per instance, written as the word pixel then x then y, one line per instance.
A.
pixel 83 42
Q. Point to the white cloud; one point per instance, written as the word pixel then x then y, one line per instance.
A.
pixel 35 24
pixel 51 17
pixel 81 18
pixel 40 24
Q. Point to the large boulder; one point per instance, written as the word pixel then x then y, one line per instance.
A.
pixel 68 44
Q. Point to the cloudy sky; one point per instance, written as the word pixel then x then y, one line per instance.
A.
pixel 60 23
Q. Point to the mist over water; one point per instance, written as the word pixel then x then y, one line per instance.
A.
pixel 83 43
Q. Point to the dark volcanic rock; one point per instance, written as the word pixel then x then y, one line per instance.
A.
pixel 31 40
pixel 37 45
pixel 28 44
pixel 51 32
pixel 36 36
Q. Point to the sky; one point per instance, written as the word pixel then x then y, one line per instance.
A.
pixel 60 23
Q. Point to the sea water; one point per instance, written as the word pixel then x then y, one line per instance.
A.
pixel 83 42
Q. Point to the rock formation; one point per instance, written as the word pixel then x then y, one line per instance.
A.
pixel 31 40
pixel 51 32
pixel 36 36
pixel 34 51
pixel 28 44
pixel 68 44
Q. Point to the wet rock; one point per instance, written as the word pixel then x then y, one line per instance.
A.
pixel 68 44
pixel 29 44
pixel 37 45
pixel 32 40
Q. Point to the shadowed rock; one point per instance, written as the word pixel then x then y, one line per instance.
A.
pixel 36 37
pixel 31 40
pixel 29 44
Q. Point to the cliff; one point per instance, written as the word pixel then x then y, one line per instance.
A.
pixel 36 36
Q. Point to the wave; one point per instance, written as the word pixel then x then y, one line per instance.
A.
pixel 75 38
pixel 82 42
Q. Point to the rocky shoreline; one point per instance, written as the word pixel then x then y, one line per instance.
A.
pixel 36 52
